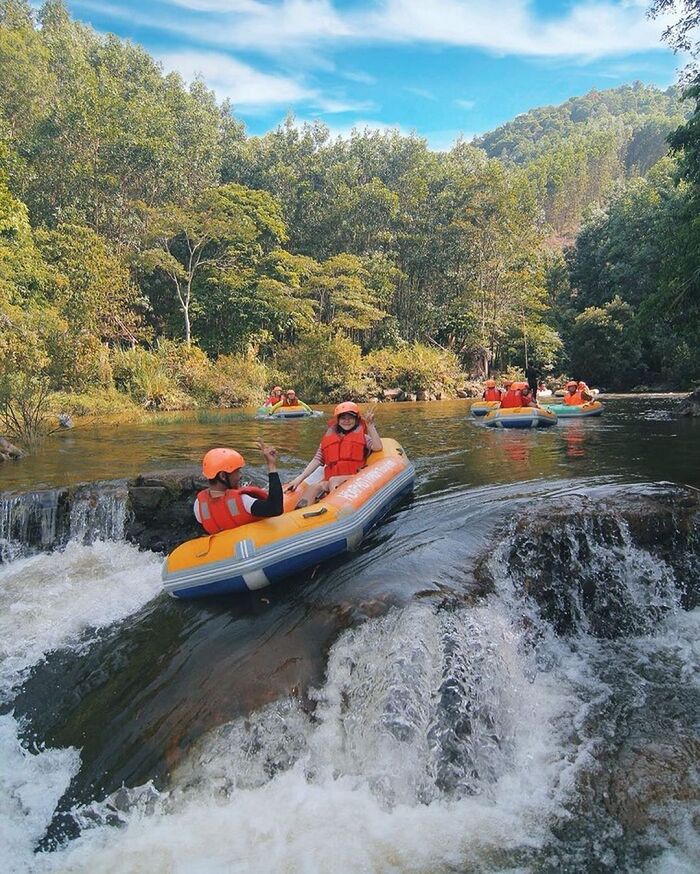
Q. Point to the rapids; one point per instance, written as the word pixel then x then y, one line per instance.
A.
pixel 503 679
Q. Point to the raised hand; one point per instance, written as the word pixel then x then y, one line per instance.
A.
pixel 269 452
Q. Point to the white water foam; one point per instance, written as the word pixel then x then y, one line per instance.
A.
pixel 31 783
pixel 49 601
pixel 355 787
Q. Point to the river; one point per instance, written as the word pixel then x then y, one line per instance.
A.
pixel 413 707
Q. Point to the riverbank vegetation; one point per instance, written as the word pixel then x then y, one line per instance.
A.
pixel 152 255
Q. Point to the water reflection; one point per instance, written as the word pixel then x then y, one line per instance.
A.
pixel 442 440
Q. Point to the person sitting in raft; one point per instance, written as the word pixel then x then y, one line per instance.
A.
pixel 343 451
pixel 543 390
pixel 574 396
pixel 491 393
pixel 275 397
pixel 513 396
pixel 290 399
pixel 586 393
pixel 225 503
pixel 528 399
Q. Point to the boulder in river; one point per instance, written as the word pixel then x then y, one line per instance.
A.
pixel 690 406
pixel 613 562
pixel 8 451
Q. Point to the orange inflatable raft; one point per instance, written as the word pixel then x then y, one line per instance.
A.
pixel 256 555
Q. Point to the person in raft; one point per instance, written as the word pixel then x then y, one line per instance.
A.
pixel 275 397
pixel 491 393
pixel 576 393
pixel 343 451
pixel 225 503
pixel 528 398
pixel 290 399
pixel 513 396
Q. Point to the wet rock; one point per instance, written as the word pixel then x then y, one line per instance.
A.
pixel 8 451
pixel 611 565
pixel 393 394
pixel 160 509
pixel 690 406
pixel 423 395
pixel 65 421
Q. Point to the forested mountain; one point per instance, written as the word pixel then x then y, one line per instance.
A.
pixel 144 236
pixel 643 115
pixel 576 151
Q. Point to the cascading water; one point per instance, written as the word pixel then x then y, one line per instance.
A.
pixel 49 519
pixel 502 680
pixel 546 725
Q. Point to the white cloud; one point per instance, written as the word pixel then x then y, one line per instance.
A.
pixel 466 104
pixel 421 92
pixel 588 29
pixel 247 87
pixel 242 84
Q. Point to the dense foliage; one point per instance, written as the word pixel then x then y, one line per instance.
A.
pixel 150 249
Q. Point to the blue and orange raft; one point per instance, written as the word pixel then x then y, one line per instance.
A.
pixel 262 553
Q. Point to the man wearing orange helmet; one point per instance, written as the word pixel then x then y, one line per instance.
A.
pixel 491 393
pixel 225 503
pixel 343 451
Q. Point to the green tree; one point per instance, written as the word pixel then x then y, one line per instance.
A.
pixel 212 244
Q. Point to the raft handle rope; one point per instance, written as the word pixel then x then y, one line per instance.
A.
pixel 314 513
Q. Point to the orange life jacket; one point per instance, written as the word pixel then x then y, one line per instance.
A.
pixel 271 401
pixel 492 394
pixel 574 400
pixel 226 511
pixel 343 454
pixel 291 402
pixel 512 398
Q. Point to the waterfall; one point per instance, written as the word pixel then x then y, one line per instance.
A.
pixel 44 520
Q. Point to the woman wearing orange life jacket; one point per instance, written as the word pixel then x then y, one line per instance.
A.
pixel 491 393
pixel 225 504
pixel 275 397
pixel 573 396
pixel 343 452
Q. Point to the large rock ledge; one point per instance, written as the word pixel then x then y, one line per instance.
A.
pixel 690 406
pixel 153 511
pixel 612 563
pixel 159 509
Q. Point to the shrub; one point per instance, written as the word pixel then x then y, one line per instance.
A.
pixel 416 367
pixel 324 366
pixel 145 378
pixel 238 380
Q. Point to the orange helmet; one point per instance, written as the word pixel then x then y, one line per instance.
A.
pixel 520 385
pixel 346 407
pixel 572 382
pixel 490 383
pixel 277 388
pixel 221 460
pixel 507 382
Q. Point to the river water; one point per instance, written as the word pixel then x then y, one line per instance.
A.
pixel 405 708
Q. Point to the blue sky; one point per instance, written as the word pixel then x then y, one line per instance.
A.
pixel 441 68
